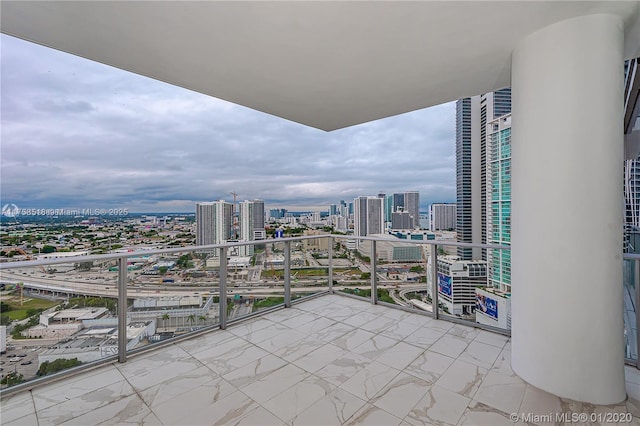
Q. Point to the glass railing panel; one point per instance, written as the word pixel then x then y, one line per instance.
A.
pixel 478 292
pixel 262 285
pixel 402 274
pixel 630 304
pixel 57 317
pixel 352 267
pixel 309 267
pixel 172 294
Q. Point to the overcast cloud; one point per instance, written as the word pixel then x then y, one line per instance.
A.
pixel 78 134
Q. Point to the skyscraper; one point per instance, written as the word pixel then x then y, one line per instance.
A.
pixel 412 206
pixel 251 215
pixel 398 201
pixel 368 216
pixel 213 222
pixel 360 216
pixel 401 220
pixel 464 167
pixel 442 216
pixel 492 106
pixel 258 220
pixel 499 201
pixel 472 116
pixel 388 207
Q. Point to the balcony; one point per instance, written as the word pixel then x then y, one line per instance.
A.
pixel 324 359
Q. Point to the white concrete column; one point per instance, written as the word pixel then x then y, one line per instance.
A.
pixel 567 156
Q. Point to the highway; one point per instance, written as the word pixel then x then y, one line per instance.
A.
pixel 108 289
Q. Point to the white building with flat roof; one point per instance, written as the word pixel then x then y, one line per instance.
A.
pixel 493 307
pixel 457 283
pixel 442 216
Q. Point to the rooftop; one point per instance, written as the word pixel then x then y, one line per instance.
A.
pixel 328 360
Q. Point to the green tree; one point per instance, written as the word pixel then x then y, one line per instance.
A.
pixel 47 249
pixel 162 270
pixel 5 319
pixel 12 379
pixel 165 318
pixel 184 261
pixel 50 367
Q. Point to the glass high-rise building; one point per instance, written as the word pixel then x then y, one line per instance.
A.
pixel 472 116
pixel 388 208
pixel 463 177
pixel 499 201
pixel 398 201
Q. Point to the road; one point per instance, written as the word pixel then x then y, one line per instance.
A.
pixel 110 290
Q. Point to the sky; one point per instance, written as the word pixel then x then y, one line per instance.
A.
pixel 78 134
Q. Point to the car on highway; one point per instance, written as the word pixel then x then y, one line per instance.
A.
pixel 15 359
pixel 26 362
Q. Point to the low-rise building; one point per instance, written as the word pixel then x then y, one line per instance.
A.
pixel 393 249
pixel 493 307
pixel 457 283
pixel 98 342
pixel 65 323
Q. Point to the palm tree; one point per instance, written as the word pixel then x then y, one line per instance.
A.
pixel 191 318
pixel 165 317
pixel 202 318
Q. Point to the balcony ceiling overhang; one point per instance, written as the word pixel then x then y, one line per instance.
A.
pixel 327 65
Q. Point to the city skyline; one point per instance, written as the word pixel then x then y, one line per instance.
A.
pixel 78 134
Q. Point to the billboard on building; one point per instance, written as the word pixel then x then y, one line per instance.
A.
pixel 444 284
pixel 487 305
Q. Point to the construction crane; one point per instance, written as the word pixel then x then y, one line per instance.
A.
pixel 234 215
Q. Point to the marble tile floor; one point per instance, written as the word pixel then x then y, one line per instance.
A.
pixel 332 360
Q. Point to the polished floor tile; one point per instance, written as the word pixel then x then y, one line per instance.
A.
pixel 332 360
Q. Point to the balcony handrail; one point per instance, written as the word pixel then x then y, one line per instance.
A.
pixel 193 248
pixel 140 253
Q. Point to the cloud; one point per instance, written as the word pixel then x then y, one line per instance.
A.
pixel 76 133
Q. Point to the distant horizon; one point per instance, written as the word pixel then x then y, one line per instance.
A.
pixel 118 211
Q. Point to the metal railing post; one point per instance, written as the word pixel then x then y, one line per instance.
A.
pixel 287 274
pixel 331 241
pixel 122 309
pixel 223 288
pixel 636 282
pixel 374 276
pixel 433 261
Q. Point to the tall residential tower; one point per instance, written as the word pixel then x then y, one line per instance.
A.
pixel 368 216
pixel 472 116
pixel 213 222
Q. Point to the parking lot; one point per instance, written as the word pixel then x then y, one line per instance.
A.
pixel 21 360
